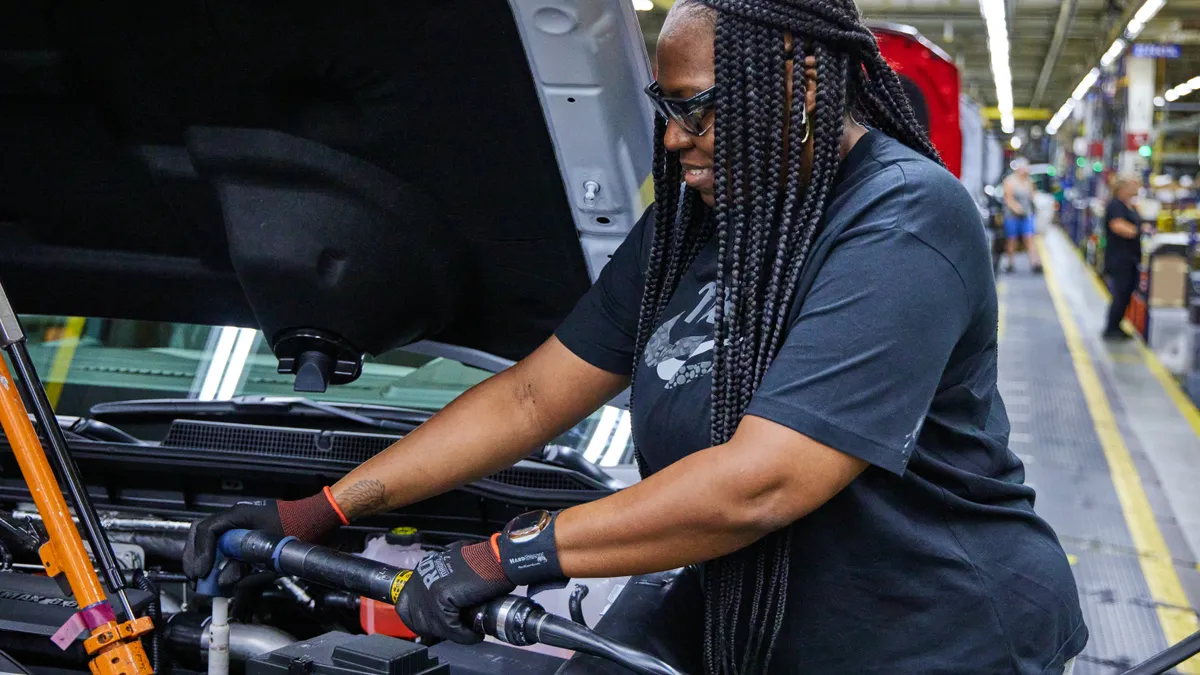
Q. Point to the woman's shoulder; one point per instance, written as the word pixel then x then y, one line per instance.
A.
pixel 907 194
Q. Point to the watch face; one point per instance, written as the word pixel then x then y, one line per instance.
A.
pixel 527 526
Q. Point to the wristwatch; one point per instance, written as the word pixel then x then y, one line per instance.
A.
pixel 527 550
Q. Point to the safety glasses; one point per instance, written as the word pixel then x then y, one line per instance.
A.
pixel 688 113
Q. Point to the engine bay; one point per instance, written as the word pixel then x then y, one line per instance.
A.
pixel 150 478
pixel 279 623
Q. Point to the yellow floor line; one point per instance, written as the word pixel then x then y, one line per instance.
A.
pixel 67 344
pixel 1169 384
pixel 1171 602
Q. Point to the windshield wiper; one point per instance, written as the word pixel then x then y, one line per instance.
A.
pixel 377 416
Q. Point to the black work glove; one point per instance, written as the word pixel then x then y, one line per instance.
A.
pixel 312 519
pixel 445 584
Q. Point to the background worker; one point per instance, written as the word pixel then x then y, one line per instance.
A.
pixel 1018 214
pixel 1123 227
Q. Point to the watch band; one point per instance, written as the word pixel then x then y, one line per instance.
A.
pixel 530 558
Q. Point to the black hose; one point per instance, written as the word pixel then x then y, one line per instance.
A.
pixel 558 632
pixel 17 664
pixel 154 609
pixel 1169 657
pixel 575 604
pixel 246 593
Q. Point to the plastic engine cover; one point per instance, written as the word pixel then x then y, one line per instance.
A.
pixel 345 654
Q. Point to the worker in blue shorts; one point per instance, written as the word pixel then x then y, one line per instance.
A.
pixel 1018 214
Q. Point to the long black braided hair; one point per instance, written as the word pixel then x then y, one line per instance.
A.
pixel 769 206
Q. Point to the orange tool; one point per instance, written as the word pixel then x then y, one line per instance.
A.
pixel 114 648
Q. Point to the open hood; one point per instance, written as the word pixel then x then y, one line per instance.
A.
pixel 347 177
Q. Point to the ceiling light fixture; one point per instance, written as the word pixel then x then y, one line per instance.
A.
pixel 1142 17
pixel 643 5
pixel 1085 84
pixel 1113 52
pixel 997 28
pixel 1134 28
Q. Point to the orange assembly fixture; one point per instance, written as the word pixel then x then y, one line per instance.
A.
pixel 114 648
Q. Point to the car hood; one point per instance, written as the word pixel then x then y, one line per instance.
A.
pixel 363 175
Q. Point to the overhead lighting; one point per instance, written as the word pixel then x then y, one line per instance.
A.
pixel 1171 95
pixel 1113 52
pixel 1015 142
pixel 1140 18
pixel 1194 83
pixel 1060 116
pixel 997 28
pixel 1085 84
pixel 1159 101
pixel 643 5
pixel 1146 12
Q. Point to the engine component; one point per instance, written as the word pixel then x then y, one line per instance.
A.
pixel 493 658
pixel 296 591
pixel 33 607
pixel 658 613
pixel 189 634
pixel 218 642
pixel 345 654
pixel 127 556
pixel 10 665
pixel 401 547
pixel 512 619
pixel 117 523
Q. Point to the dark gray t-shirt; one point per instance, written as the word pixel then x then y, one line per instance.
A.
pixel 932 561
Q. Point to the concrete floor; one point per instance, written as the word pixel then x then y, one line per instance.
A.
pixel 1112 447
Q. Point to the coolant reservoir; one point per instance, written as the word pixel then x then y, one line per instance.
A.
pixel 401 548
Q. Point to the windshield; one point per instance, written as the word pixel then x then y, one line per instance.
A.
pixel 85 361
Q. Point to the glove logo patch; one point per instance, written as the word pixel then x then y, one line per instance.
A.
pixel 528 560
pixel 433 568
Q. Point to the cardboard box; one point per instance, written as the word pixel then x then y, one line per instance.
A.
pixel 1169 280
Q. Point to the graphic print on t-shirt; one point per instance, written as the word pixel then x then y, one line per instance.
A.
pixel 684 354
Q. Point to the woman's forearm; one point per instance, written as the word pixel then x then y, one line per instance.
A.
pixel 488 428
pixel 710 503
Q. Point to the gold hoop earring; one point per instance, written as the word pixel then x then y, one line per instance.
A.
pixel 807 124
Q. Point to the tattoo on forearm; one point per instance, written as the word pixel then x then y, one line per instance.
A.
pixel 363 498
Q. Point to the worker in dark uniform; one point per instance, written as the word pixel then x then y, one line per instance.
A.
pixel 808 319
pixel 1123 227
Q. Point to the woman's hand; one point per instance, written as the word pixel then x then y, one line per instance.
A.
pixel 447 583
pixel 311 519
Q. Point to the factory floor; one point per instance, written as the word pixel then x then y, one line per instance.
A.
pixel 1112 447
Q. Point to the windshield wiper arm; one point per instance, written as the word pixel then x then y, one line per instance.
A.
pixel 379 417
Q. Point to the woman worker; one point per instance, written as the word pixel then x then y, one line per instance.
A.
pixel 1123 227
pixel 808 320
